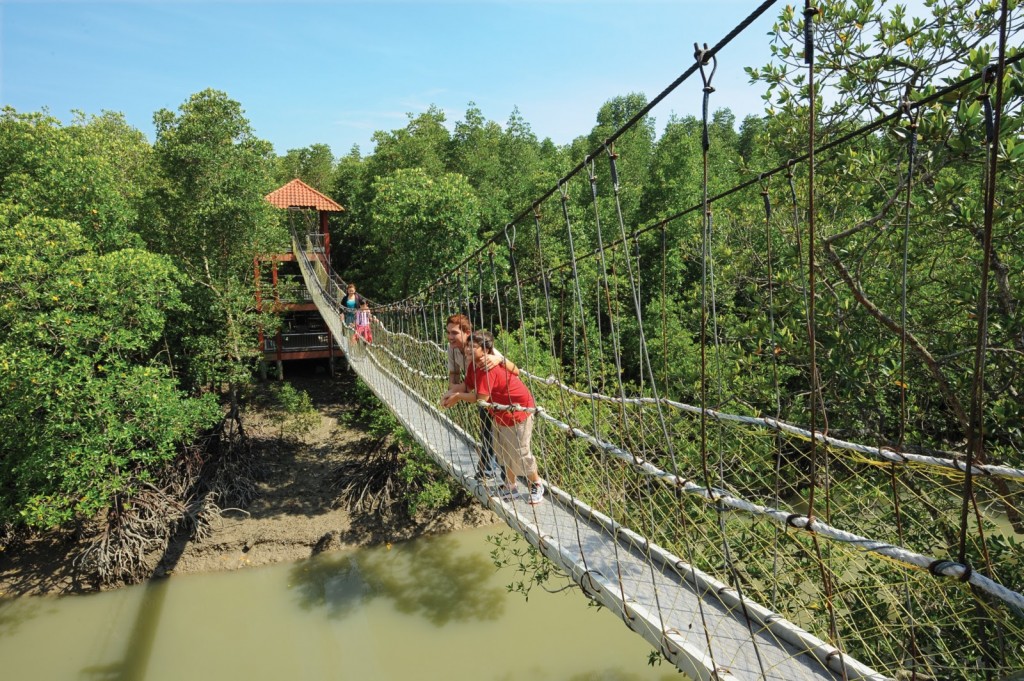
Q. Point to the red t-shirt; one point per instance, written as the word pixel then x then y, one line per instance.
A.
pixel 501 386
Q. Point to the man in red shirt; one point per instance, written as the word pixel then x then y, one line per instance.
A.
pixel 513 429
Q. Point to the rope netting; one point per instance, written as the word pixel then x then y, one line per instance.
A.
pixel 775 387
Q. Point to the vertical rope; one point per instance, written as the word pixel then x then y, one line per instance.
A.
pixel 638 311
pixel 809 14
pixel 703 59
pixel 817 401
pixel 579 301
pixel 976 425
pixel 505 324
pixel 613 327
pixel 547 302
pixel 912 124
pixel 704 250
pixel 664 307
pixel 614 333
pixel 772 349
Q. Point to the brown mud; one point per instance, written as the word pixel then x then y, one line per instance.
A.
pixel 296 513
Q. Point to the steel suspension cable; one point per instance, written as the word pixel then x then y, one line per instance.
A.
pixel 786 167
pixel 636 118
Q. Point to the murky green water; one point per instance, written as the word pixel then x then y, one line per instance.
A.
pixel 430 609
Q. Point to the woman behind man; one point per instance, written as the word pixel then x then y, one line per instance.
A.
pixel 512 429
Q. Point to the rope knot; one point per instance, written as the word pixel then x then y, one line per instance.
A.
pixel 628 617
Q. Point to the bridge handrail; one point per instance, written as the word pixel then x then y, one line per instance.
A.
pixel 888 454
pixel 936 458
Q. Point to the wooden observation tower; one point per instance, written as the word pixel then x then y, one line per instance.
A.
pixel 303 333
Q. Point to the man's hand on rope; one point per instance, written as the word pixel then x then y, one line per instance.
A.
pixel 452 397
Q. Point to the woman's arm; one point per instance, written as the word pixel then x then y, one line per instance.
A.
pixel 507 363
pixel 490 361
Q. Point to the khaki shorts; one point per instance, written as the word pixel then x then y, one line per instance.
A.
pixel 512 447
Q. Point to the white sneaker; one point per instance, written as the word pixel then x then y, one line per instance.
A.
pixel 536 493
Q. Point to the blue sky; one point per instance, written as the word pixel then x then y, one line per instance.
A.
pixel 334 72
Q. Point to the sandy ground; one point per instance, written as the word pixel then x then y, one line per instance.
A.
pixel 294 516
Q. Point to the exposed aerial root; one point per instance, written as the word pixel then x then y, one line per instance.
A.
pixel 213 473
pixel 370 483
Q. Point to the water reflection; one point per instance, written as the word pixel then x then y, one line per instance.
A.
pixel 16 612
pixel 137 652
pixel 429 609
pixel 433 580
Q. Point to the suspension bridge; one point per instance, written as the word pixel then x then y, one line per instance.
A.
pixel 770 445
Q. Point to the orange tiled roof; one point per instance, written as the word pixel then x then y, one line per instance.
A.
pixel 298 194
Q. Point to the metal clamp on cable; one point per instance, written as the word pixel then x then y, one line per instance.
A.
pixel 593 179
pixel 612 156
pixel 938 567
pixel 809 13
pixel 988 76
pixel 765 197
pixel 703 59
pixel 789 176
